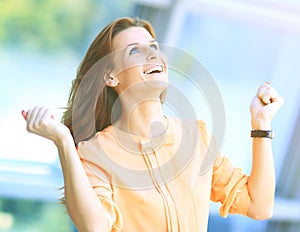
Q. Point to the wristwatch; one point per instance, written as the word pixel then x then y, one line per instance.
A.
pixel 262 134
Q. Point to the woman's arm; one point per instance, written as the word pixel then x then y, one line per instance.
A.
pixel 82 203
pixel 261 182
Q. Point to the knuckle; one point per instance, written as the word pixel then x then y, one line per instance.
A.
pixel 43 122
pixel 34 127
pixel 29 128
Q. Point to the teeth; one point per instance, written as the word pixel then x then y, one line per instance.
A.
pixel 153 69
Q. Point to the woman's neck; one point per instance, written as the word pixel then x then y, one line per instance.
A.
pixel 144 119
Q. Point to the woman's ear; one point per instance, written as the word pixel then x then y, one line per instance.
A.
pixel 110 80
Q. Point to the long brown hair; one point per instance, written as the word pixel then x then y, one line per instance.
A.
pixel 91 102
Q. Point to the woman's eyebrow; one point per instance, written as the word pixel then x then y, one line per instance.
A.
pixel 151 41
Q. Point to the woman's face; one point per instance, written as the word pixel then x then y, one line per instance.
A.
pixel 138 60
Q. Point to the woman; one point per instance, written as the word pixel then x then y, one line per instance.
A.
pixel 123 173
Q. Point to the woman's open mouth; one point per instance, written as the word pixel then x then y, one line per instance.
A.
pixel 154 69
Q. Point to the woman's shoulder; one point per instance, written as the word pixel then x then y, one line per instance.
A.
pixel 95 149
pixel 96 139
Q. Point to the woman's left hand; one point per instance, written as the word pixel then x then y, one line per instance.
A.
pixel 264 106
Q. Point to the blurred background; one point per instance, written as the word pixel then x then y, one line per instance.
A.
pixel 241 43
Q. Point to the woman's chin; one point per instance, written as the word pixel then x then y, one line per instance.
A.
pixel 157 83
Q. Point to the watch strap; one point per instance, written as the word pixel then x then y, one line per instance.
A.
pixel 262 134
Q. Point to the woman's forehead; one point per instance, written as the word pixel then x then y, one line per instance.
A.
pixel 132 35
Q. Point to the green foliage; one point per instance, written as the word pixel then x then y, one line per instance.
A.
pixel 48 25
pixel 35 216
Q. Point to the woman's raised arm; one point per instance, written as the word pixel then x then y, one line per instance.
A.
pixel 261 183
pixel 82 203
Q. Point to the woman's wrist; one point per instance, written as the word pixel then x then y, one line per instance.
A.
pixel 63 138
pixel 261 124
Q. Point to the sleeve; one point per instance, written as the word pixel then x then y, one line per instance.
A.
pixel 229 186
pixel 99 180
pixel 211 151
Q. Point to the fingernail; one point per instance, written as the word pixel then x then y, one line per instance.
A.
pixel 24 114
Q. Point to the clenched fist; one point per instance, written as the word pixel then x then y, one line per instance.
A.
pixel 42 122
pixel 264 106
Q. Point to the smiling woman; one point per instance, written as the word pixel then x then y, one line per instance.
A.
pixel 141 79
pixel 129 167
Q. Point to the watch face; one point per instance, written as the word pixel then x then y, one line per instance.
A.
pixel 269 134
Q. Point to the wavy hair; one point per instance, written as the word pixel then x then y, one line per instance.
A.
pixel 91 102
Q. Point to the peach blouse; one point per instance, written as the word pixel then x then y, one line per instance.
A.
pixel 163 183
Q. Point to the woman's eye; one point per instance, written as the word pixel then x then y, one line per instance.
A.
pixel 154 46
pixel 134 50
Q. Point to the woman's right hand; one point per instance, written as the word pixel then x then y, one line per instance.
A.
pixel 41 121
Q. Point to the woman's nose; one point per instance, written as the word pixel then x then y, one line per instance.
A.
pixel 152 54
